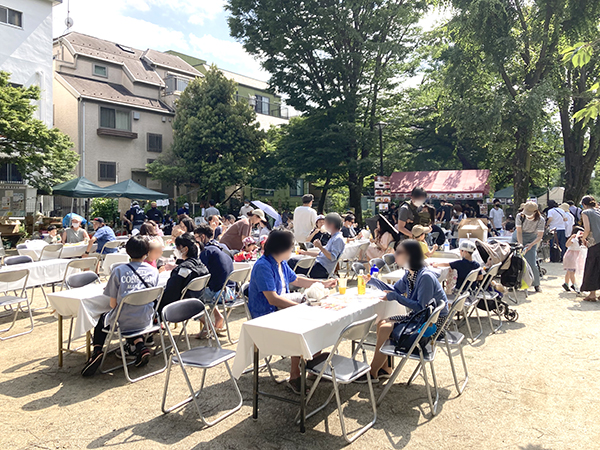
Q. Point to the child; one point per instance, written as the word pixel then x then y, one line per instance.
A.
pixel 125 279
pixel 465 265
pixel 419 233
pixel 52 237
pixel 574 259
pixel 155 253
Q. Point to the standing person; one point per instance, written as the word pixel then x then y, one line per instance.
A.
pixel 558 219
pixel 530 230
pixel 392 214
pixel 570 223
pixel 497 217
pixel 574 259
pixel 409 213
pixel 591 225
pixel 183 211
pixel 576 211
pixel 212 209
pixel 445 213
pixel 136 215
pixel 75 234
pixel 247 208
pixel 154 213
pixel 102 234
pixel 305 219
pixel 234 237
pixel 168 225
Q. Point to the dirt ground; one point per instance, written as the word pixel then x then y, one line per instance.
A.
pixel 532 386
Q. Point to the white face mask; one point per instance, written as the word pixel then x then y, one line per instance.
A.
pixel 530 217
pixel 75 225
pixel 418 203
pixel 177 254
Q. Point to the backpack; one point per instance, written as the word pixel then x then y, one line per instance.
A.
pixel 406 332
pixel 421 217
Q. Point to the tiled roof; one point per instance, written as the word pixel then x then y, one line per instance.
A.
pixel 170 61
pixel 112 92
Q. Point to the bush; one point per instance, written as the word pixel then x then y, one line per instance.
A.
pixel 107 208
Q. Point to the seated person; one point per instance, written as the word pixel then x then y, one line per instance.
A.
pixel 348 231
pixel 219 265
pixel 75 234
pixel 187 267
pixel 465 265
pixel 416 290
pixel 385 238
pixel 124 279
pixel 269 284
pixel 155 253
pixel 419 232
pixel 319 232
pixel 52 237
pixel 234 237
pixel 102 234
pixel 328 255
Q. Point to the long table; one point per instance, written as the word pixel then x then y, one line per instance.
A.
pixel 40 273
pixel 34 250
pixel 304 330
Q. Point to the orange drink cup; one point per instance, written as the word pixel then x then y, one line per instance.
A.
pixel 342 283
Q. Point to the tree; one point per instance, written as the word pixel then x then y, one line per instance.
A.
pixel 42 155
pixel 332 57
pixel 216 139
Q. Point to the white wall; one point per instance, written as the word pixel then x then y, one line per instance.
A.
pixel 27 52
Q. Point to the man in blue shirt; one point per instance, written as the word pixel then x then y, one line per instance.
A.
pixel 155 214
pixel 103 234
pixel 184 211
pixel 136 215
pixel 328 255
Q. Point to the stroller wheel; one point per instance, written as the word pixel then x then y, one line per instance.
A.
pixel 543 271
pixel 512 315
pixel 501 309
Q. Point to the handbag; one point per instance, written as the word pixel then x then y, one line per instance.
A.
pixel 406 332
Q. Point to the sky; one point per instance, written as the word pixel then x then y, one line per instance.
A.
pixel 194 27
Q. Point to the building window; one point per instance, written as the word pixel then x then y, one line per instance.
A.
pixel 11 17
pixel 100 71
pixel 175 84
pixel 262 105
pixel 154 142
pixel 150 161
pixel 297 188
pixel 115 118
pixel 9 173
pixel 107 171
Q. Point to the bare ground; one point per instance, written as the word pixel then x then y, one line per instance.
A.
pixel 532 386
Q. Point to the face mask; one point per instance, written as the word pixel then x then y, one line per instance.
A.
pixel 177 254
pixel 529 217
pixel 418 203
pixel 75 225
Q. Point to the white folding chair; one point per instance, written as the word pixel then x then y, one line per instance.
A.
pixel 111 259
pixel 51 251
pixel 84 264
pixel 306 262
pixel 471 301
pixel 380 264
pixel 15 302
pixel 78 280
pixel 343 370
pixel 422 354
pixel 484 295
pixel 238 277
pixel 204 357
pixel 111 245
pixel 362 251
pixel 137 298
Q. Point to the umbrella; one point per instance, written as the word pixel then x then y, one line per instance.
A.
pixel 78 188
pixel 268 209
pixel 130 189
pixel 67 220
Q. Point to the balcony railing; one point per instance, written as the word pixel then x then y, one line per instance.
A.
pixel 273 109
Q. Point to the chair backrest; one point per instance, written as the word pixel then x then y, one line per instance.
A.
pixel 356 331
pixel 457 306
pixel 12 276
pixel 196 285
pixel 182 310
pixel 357 267
pixel 469 280
pixel 390 260
pixel 78 280
pixel 51 251
pixel 112 258
pixel 433 318
pixel 143 296
pixel 21 259
pixel 377 262
pixel 244 293
pixel 83 263
pixel 112 244
pixel 441 254
pixel 363 248
pixel 305 263
pixel 489 276
pixel 239 275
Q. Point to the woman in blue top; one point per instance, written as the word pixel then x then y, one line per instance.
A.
pixel 269 284
pixel 415 290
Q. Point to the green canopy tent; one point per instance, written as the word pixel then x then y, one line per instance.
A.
pixel 78 188
pixel 130 189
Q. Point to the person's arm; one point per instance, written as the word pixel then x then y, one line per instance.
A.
pixel 113 302
pixel 311 252
pixel 402 228
pixel 277 300
pixel 432 251
pixel 303 282
pixel 64 237
pixel 90 244
pixel 537 240
pixel 394 295
pixel 586 226
pixel 312 235
pixel 323 250
pixel 440 265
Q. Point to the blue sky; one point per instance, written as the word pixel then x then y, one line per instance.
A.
pixel 195 27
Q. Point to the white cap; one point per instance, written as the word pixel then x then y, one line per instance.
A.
pixel 467 246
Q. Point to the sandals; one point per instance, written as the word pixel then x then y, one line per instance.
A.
pixel 590 299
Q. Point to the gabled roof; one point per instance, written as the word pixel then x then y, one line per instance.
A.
pixel 111 93
pixel 170 62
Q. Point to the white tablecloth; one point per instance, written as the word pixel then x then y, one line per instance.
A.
pixel 351 250
pixel 305 330
pixel 40 272
pixel 441 272
pixel 87 304
pixel 34 249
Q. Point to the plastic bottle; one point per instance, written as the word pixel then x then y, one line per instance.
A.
pixel 375 272
pixel 362 286
pixel 446 246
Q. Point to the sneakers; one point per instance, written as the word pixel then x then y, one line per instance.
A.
pixel 142 358
pixel 575 288
pixel 566 287
pixel 93 364
pixel 130 351
pixel 383 375
pixel 538 289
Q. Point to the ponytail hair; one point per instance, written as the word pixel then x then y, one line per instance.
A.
pixel 589 201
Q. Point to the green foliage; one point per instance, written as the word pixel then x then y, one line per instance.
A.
pixel 107 208
pixel 216 139
pixel 43 156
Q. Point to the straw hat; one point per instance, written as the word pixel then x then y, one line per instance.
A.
pixel 530 208
pixel 564 207
pixel 418 230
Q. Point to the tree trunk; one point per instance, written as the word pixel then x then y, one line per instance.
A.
pixel 324 190
pixel 522 167
pixel 355 190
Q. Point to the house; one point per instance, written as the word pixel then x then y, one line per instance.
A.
pixel 26 53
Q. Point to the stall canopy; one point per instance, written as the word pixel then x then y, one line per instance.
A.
pixel 130 189
pixel 78 188
pixel 465 184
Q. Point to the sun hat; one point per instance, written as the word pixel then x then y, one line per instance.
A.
pixel 564 207
pixel 467 246
pixel 530 208
pixel 259 213
pixel 418 230
pixel 249 240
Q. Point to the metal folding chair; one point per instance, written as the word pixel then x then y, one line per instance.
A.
pixel 111 259
pixel 343 370
pixel 85 264
pixel 380 264
pixel 238 277
pixel 51 251
pixel 110 245
pixel 306 262
pixel 78 280
pixel 362 251
pixel 137 298
pixel 390 260
pixel 20 259
pixel 425 354
pixel 16 300
pixel 471 301
pixel 484 294
pixel 357 267
pixel 205 357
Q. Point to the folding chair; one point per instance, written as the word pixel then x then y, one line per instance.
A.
pixel 423 355
pixel 306 262
pixel 51 251
pixel 110 259
pixel 90 264
pixel 114 265
pixel 20 259
pixel 238 277
pixel 343 370
pixel 467 309
pixel 390 260
pixel 110 245
pixel 380 264
pixel 362 251
pixel 78 280
pixel 357 267
pixel 14 276
pixel 137 298
pixel 205 357
pixel 484 294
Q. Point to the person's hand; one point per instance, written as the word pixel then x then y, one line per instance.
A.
pixel 317 243
pixel 302 252
pixel 434 265
pixel 169 266
pixel 385 293
pixel 332 282
pixel 435 247
pixel 367 277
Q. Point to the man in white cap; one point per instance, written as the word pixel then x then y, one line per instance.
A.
pixel 465 265
pixel 183 211
pixel 570 220
pixel 234 237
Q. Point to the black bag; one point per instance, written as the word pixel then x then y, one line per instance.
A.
pixel 555 253
pixel 406 332
pixel 512 276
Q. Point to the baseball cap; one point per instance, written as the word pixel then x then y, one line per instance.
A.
pixel 98 219
pixel 320 217
pixel 418 230
pixel 186 205
pixel 259 213
pixel 467 246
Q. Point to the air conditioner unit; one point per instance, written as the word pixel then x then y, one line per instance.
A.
pixel 164 119
pixel 136 115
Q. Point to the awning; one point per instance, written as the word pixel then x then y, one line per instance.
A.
pixel 130 189
pixel 458 184
pixel 78 188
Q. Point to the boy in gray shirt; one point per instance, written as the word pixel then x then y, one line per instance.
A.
pixel 125 279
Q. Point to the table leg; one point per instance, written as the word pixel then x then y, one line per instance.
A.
pixel 255 385
pixel 60 341
pixel 88 344
pixel 302 394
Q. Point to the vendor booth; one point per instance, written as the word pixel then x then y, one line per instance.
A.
pixel 442 184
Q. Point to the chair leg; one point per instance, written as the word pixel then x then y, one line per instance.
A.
pixel 390 382
pixel 489 314
pixel 16 310
pixel 414 375
pixel 459 388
